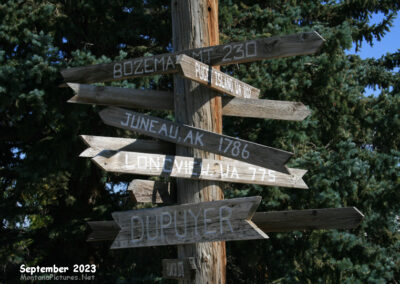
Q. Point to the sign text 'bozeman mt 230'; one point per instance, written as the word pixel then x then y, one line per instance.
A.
pixel 223 220
pixel 231 53
pixel 224 145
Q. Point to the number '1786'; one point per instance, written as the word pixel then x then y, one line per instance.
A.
pixel 234 147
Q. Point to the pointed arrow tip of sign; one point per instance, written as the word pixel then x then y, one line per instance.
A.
pixel 361 215
pixel 74 87
pixel 318 35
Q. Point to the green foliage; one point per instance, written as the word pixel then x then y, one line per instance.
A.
pixel 349 145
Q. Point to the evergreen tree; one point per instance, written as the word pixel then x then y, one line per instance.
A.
pixel 350 143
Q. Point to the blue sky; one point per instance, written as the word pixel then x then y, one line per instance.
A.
pixel 389 43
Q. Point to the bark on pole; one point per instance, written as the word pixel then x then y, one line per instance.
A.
pixel 195 24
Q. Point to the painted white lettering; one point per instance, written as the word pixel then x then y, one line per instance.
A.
pixel 208 50
pixel 225 218
pixel 157 61
pixel 206 221
pixel 235 173
pixel 144 123
pixel 184 223
pixel 178 165
pixel 133 239
pixel 189 135
pixel 163 129
pixel 204 172
pixel 128 115
pixel 151 129
pixel 195 217
pixel 146 69
pixel 164 225
pixel 171 129
pixel 117 70
pixel 126 65
pixel 271 175
pixel 170 62
pixel 133 120
pixel 198 140
pixel 140 165
pixel 140 63
pixel 155 163
pixel 148 228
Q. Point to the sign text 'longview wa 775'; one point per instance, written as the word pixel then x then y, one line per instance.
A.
pixel 231 53
pixel 196 168
pixel 224 145
pixel 161 100
pixel 223 220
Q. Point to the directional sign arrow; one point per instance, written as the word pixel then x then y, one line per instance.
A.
pixel 215 79
pixel 185 135
pixel 159 100
pixel 224 220
pixel 196 168
pixel 99 143
pixel 231 53
pixel 274 221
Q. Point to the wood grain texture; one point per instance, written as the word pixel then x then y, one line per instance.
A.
pixel 146 191
pixel 214 79
pixel 195 25
pixel 311 219
pixel 231 53
pixel 188 223
pixel 197 168
pixel 159 100
pixel 193 137
pixel 131 98
pixel 273 221
pixel 102 231
pixel 99 143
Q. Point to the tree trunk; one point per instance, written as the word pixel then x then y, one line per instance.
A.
pixel 195 24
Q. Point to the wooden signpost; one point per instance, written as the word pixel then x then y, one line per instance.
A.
pixel 159 100
pixel 231 53
pixel 196 168
pixel 196 107
pixel 269 222
pixel 215 79
pixel 188 223
pixel 185 135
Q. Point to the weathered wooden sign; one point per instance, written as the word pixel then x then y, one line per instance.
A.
pixel 214 79
pixel 149 99
pixel 99 143
pixel 231 53
pixel 143 191
pixel 223 220
pixel 196 168
pixel 310 219
pixel 224 145
pixel 182 268
pixel 273 221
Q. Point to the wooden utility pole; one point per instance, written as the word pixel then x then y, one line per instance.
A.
pixel 195 24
